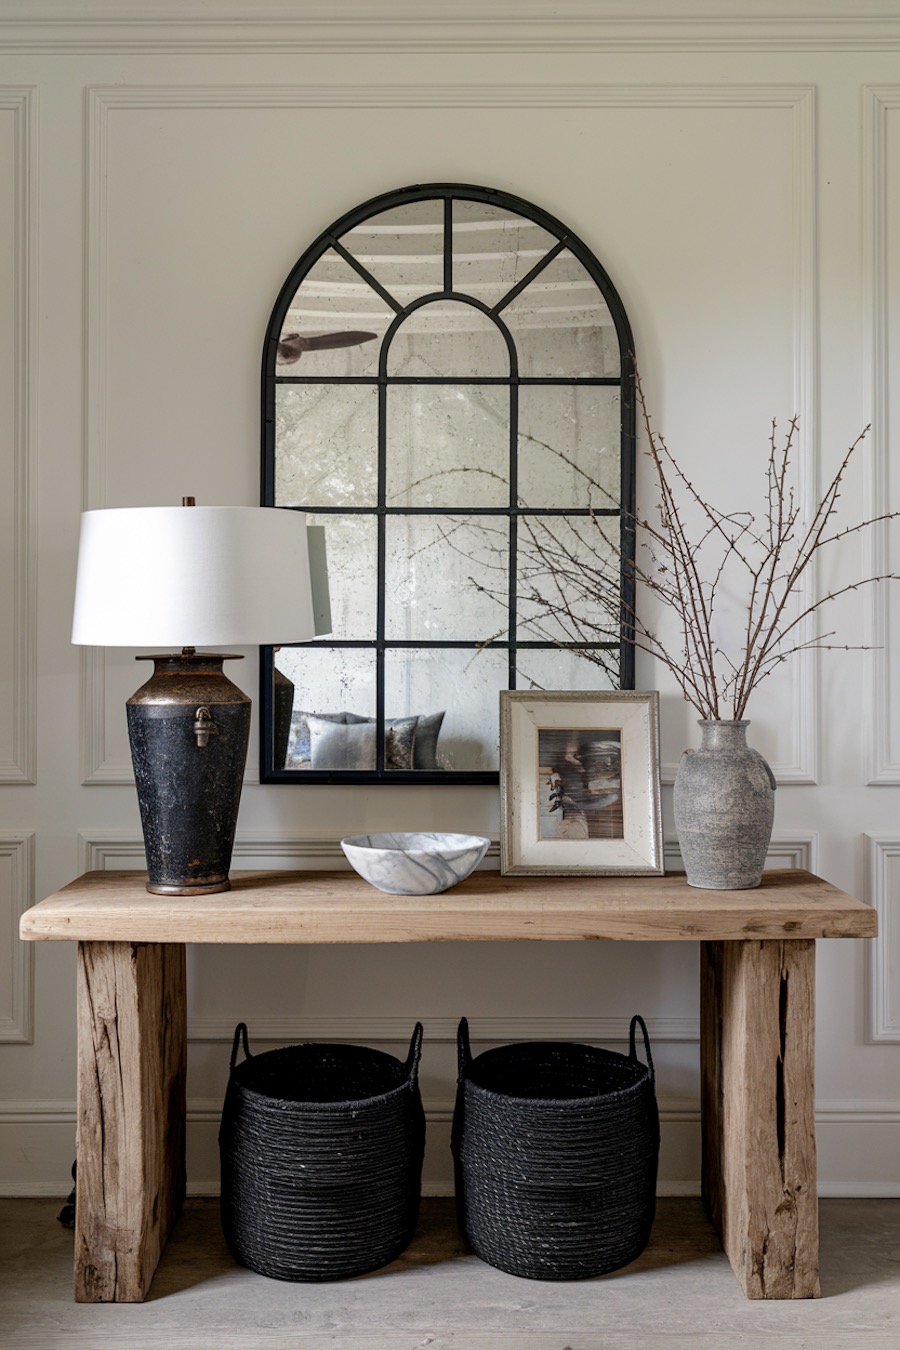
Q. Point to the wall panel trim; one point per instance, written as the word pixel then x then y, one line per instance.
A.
pixel 20 765
pixel 883 951
pixel 503 26
pixel 883 710
pixel 17 1025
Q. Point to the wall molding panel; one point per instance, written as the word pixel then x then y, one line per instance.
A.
pixel 883 952
pixel 253 848
pixel 124 849
pixel 793 851
pixel 18 761
pixel 517 26
pixel 801 763
pixel 442 1030
pixel 17 1001
pixel 883 713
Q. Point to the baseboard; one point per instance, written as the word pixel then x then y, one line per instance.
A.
pixel 851 1134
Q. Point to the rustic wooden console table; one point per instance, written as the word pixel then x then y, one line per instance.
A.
pixel 756 1010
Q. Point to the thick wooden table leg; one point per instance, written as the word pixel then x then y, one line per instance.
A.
pixel 131 1114
pixel 759 1144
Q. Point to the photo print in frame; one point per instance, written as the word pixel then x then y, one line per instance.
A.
pixel 580 783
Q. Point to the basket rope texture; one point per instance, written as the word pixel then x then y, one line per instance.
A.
pixel 556 1148
pixel 321 1158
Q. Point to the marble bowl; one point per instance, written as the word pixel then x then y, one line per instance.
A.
pixel 417 863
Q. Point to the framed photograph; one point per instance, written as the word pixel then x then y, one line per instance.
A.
pixel 579 783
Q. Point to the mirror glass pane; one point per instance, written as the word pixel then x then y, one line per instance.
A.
pixel 335 323
pixel 562 325
pixel 494 249
pixel 328 685
pixel 350 563
pixel 403 249
pixel 426 683
pixel 569 445
pixel 559 669
pixel 447 445
pixel 568 579
pixel 327 438
pixel 446 578
pixel 446 337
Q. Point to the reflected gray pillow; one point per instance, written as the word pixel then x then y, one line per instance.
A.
pixel 351 745
pixel 334 745
pixel 298 752
pixel 427 732
pixel 400 743
pixel 425 749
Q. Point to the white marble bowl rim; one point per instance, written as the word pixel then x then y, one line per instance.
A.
pixel 415 842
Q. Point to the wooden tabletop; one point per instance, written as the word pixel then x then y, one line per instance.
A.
pixel 338 906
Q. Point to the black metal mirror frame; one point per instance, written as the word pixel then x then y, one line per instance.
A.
pixel 331 239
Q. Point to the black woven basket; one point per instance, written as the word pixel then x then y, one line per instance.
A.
pixel 321 1155
pixel 556 1149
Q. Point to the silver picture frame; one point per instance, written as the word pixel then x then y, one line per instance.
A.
pixel 580 783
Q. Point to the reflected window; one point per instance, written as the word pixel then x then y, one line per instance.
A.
pixel 448 395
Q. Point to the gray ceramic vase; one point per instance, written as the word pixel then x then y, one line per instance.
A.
pixel 724 809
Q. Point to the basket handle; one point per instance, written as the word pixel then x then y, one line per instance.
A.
pixel 415 1053
pixel 638 1021
pixel 463 1048
pixel 240 1036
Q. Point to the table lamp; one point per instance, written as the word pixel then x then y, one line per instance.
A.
pixel 183 577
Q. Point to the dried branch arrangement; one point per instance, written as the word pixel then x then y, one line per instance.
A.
pixel 772 555
pixel 702 563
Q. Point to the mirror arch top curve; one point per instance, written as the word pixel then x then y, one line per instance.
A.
pixel 451 336
pixel 447 389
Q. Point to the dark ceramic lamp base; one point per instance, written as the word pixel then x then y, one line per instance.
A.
pixel 189 728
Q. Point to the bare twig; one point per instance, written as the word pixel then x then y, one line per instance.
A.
pixel 686 571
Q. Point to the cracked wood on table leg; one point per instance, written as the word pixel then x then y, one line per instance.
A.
pixel 759 1146
pixel 131 1114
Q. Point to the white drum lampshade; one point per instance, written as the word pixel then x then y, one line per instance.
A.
pixel 199 576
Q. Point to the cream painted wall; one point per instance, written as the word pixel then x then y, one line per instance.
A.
pixel 738 178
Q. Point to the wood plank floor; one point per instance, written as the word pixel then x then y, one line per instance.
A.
pixel 681 1294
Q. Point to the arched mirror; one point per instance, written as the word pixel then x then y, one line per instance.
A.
pixel 448 395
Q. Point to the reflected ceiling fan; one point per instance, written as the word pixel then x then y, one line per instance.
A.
pixel 293 345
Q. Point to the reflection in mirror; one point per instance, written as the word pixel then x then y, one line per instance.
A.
pixel 334 323
pixel 549 555
pixel 402 249
pixel 327 446
pixel 447 445
pixel 448 393
pixel 423 679
pixel 562 325
pixel 494 249
pixel 428 578
pixel 449 339
pixel 569 450
pixel 561 669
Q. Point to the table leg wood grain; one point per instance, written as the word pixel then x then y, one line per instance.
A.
pixel 132 1060
pixel 757 1106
